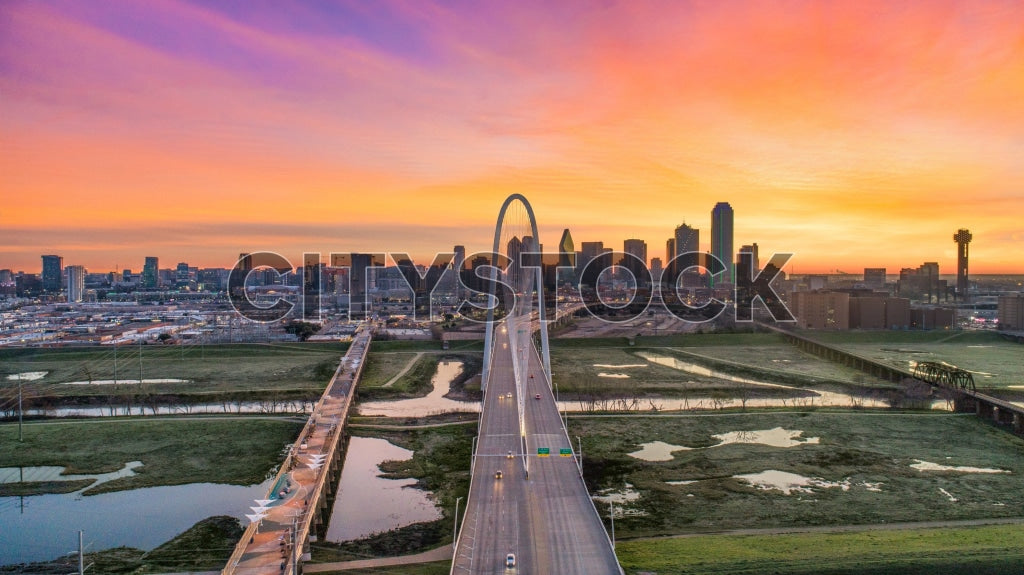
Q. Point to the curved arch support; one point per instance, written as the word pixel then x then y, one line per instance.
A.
pixel 489 331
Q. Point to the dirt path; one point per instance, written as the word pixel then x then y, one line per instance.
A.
pixel 405 369
pixel 414 426
pixel 439 554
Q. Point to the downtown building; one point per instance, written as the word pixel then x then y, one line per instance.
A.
pixel 53 274
pixel 721 243
pixel 76 283
pixel 1011 312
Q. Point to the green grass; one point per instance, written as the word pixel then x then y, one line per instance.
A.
pixel 994 362
pixel 967 550
pixel 380 346
pixel 238 451
pixel 860 448
pixel 575 369
pixel 415 383
pixel 679 340
pixel 205 546
pixel 381 367
pixel 208 369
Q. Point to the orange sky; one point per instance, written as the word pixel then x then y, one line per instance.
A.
pixel 853 134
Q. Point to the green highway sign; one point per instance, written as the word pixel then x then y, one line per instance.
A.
pixel 543 451
pixel 565 452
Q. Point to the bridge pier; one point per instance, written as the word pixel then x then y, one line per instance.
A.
pixel 965 404
pixel 1018 423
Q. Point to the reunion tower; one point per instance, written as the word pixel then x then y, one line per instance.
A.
pixel 962 237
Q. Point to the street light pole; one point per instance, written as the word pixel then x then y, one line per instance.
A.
pixel 21 437
pixel 455 528
pixel 611 514
pixel 579 453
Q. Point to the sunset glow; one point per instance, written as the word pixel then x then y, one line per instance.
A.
pixel 853 134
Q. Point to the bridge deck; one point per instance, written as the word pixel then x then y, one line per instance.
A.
pixel 546 519
pixel 301 484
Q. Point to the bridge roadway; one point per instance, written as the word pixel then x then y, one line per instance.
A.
pixel 298 499
pixel 545 518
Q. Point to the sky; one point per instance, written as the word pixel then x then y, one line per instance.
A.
pixel 851 134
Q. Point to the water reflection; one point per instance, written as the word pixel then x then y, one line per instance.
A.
pixel 227 407
pixel 56 473
pixel 44 527
pixel 395 502
pixel 433 403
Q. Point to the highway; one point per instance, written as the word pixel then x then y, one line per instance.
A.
pixel 544 517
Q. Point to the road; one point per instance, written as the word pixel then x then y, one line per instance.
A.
pixel 544 516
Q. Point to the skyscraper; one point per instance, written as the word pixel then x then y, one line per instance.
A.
pixel 591 251
pixel 566 259
pixel 76 283
pixel 151 273
pixel 53 270
pixel 721 241
pixel 454 283
pixel 962 238
pixel 670 253
pixel 754 259
pixel 687 240
pixel 637 248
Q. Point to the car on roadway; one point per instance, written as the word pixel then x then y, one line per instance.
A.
pixel 497 474
pixel 510 560
pixel 509 456
pixel 536 396
pixel 509 395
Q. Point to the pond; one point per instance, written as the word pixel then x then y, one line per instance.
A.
pixel 395 502
pixel 45 527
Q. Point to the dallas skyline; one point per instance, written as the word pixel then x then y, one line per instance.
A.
pixel 853 134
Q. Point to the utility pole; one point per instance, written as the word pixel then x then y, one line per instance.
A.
pixel 21 436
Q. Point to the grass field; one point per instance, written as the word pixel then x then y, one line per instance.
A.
pixel 994 549
pixel 208 369
pixel 871 452
pixel 761 357
pixel 414 383
pixel 381 367
pixel 240 451
pixel 994 362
